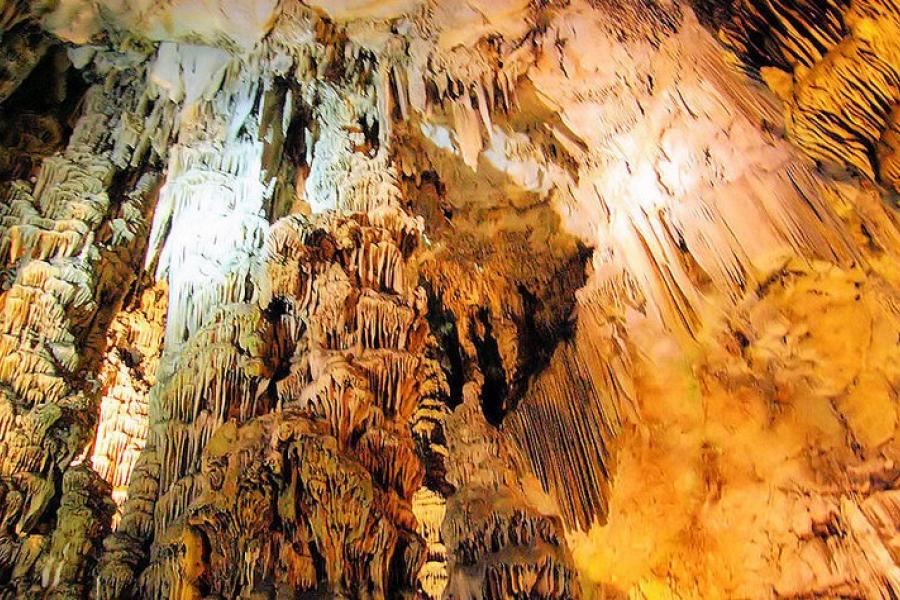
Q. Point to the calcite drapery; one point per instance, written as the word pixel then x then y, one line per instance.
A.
pixel 836 65
pixel 503 536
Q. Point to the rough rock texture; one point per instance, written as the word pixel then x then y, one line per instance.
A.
pixel 449 299
pixel 127 375
pixel 71 243
pixel 836 65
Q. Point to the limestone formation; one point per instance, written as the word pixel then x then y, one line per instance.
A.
pixel 127 375
pixel 438 299
pixel 71 243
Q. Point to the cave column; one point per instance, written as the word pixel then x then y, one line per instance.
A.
pixel 207 233
pixel 70 245
pixel 301 393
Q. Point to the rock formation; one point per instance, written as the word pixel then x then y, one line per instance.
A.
pixel 488 299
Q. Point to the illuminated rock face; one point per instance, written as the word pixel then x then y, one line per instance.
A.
pixel 128 373
pixel 449 299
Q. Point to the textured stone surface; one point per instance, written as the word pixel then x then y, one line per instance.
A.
pixel 449 299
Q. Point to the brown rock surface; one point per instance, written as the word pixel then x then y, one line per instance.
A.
pixel 449 299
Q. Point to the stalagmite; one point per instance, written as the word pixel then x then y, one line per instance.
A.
pixel 203 379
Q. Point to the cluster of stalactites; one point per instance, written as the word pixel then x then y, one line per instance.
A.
pixel 85 516
pixel 211 211
pixel 208 229
pixel 403 75
pixel 350 323
pixel 329 329
pixel 570 416
pixel 349 334
pixel 215 377
pixel 686 224
pixel 502 536
pixel 836 65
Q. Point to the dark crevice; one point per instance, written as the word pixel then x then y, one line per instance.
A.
pixel 442 323
pixel 547 318
pixel 372 133
pixel 495 397
pixel 37 119
pixel 295 144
